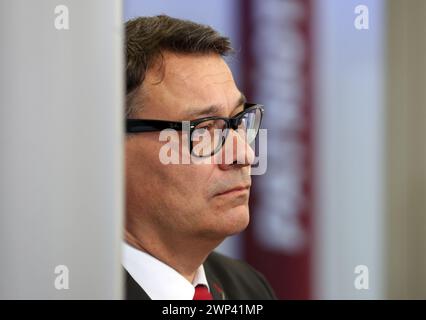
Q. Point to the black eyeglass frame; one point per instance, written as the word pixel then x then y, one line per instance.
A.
pixel 148 125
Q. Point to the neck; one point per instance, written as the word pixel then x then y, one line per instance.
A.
pixel 174 253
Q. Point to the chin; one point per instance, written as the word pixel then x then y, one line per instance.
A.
pixel 226 220
pixel 235 220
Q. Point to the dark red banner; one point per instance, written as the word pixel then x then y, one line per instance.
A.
pixel 277 73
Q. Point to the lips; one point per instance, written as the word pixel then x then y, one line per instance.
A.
pixel 234 190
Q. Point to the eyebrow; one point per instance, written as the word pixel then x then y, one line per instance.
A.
pixel 214 109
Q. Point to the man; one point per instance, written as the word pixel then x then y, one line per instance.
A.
pixel 177 214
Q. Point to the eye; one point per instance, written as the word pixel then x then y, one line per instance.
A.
pixel 204 126
pixel 211 125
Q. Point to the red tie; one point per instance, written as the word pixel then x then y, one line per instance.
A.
pixel 202 293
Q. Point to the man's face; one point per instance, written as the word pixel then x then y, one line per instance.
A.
pixel 184 200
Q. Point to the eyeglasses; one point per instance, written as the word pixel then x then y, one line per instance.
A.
pixel 207 135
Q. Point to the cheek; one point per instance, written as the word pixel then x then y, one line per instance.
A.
pixel 138 163
pixel 186 191
pixel 177 185
pixel 141 170
pixel 188 181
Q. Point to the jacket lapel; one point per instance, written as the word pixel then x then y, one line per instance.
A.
pixel 133 289
pixel 216 288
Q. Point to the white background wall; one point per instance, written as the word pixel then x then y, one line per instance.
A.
pixel 349 113
pixel 61 131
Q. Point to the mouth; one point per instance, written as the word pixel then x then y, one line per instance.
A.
pixel 235 191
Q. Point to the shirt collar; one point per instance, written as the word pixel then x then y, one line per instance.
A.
pixel 160 281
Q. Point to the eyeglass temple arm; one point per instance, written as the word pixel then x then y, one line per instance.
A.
pixel 137 125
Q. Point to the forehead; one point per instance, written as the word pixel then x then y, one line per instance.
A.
pixel 181 83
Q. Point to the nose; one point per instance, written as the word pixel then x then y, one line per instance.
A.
pixel 236 152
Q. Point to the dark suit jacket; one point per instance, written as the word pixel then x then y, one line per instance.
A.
pixel 228 279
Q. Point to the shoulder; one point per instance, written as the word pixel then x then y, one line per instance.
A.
pixel 220 261
pixel 238 278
